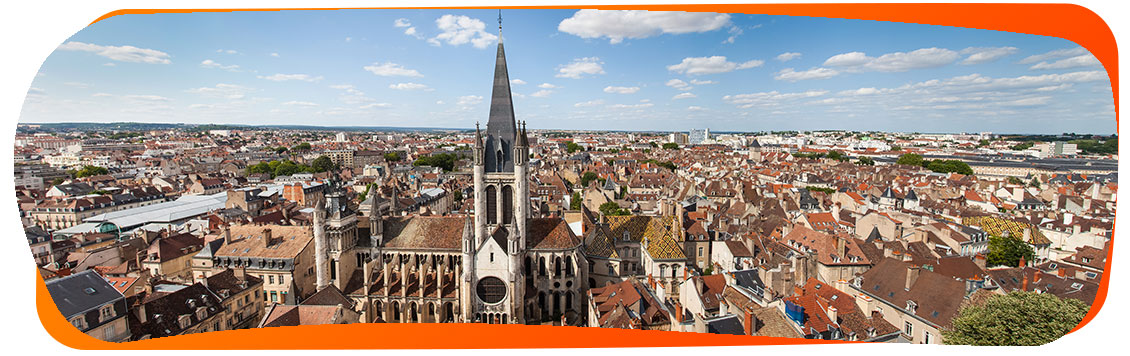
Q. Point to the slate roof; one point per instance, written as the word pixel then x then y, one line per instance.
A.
pixel 79 292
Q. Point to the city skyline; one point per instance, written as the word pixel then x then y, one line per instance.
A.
pixel 570 70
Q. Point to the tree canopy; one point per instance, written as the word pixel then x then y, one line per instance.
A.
pixel 572 147
pixel 322 164
pixel 1006 251
pixel 910 159
pixel 948 166
pixel 1015 319
pixel 446 161
pixel 613 209
pixel 305 146
pixel 865 161
pixel 587 178
pixel 575 202
pixel 670 146
pixel 392 156
pixel 88 171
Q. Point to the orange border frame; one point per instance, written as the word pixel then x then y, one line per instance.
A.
pixel 1070 22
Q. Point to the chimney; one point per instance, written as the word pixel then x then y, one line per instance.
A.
pixel 1024 284
pixel 833 314
pixel 1036 276
pixel 841 247
pixel 227 233
pixel 1067 218
pixel 1061 272
pixel 1023 262
pixel 911 276
pixel 678 312
pixel 651 281
pixel 266 237
pixel 239 273
pixel 750 321
pixel 141 313
pixel 979 260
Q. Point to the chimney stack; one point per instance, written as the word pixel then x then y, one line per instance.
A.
pixel 749 321
pixel 1062 272
pixel 678 312
pixel 841 246
pixel 266 237
pixel 1024 284
pixel 226 230
pixel 833 314
pixel 1023 262
pixel 911 276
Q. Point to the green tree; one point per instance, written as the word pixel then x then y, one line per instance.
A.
pixel 983 143
pixel 1007 251
pixel 57 181
pixel 305 146
pixel 280 150
pixel 949 165
pixel 88 171
pixel 836 155
pixel 458 195
pixel 575 201
pixel 1015 319
pixel 392 156
pixel 287 168
pixel 322 164
pixel 613 209
pixel 587 178
pixel 896 148
pixel 1021 146
pixel 572 147
pixel 446 161
pixel 1014 180
pixel 910 159
pixel 670 146
pixel 865 161
pixel 1034 183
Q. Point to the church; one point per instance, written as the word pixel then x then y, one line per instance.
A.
pixel 499 266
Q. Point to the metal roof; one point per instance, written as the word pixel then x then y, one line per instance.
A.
pixel 80 292
pixel 168 212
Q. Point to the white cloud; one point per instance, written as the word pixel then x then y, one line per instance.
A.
pixel 376 105
pixel 978 55
pixel 695 108
pixel 579 67
pixel 349 39
pixel 1059 53
pixel 300 103
pixel 390 69
pixel 78 85
pixel 735 31
pixel 517 82
pixel 227 51
pixel 101 95
pixel 1085 60
pixel 792 75
pixel 222 90
pixel 631 106
pixel 274 54
pixel 458 30
pixel 542 93
pixel 402 22
pixel 208 63
pixel 286 77
pixel 146 97
pixel 860 91
pixel 702 82
pixel 616 25
pixel 769 99
pixel 589 103
pixel 684 96
pixel 710 65
pixel 468 100
pixel 621 90
pixel 547 86
pixel 352 95
pixel 120 53
pixel 408 86
pixel 679 84
pixel 894 62
pixel 788 56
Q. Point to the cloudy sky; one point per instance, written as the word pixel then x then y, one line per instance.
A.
pixel 588 69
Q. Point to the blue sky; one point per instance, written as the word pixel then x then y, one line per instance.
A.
pixel 622 70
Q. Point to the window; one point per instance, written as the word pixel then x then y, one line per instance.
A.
pixel 492 257
pixel 79 322
pixel 926 339
pixel 700 252
pixel 109 333
pixel 274 297
pixel 908 329
pixel 271 279
pixel 107 312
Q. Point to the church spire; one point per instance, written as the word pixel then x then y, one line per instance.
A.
pixel 501 129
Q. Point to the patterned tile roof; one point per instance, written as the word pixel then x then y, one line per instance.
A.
pixel 998 226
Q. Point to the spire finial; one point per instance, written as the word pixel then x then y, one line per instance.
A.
pixel 500 21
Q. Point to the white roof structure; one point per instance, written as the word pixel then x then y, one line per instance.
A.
pixel 172 212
